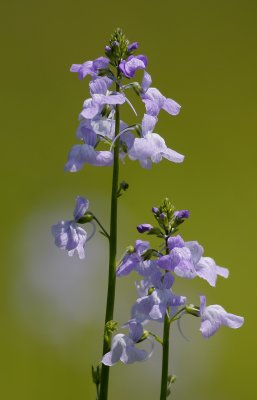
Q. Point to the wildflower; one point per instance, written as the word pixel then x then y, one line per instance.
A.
pixel 100 97
pixel 123 347
pixel 185 259
pixel 134 261
pixel 151 147
pixel 154 306
pixel 154 100
pixel 132 64
pixel 214 316
pixel 68 235
pixel 84 153
pixel 90 67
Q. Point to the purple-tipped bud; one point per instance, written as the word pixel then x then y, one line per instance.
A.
pixel 133 46
pixel 115 44
pixel 155 210
pixel 107 48
pixel 162 216
pixel 144 228
pixel 181 214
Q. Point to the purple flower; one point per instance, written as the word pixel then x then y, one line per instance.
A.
pixel 154 306
pixel 90 67
pixel 214 316
pixel 205 267
pixel 185 259
pixel 134 261
pixel 123 347
pixel 133 46
pixel 100 97
pixel 181 214
pixel 151 147
pixel 155 101
pixel 81 207
pixel 144 228
pixel 97 128
pixel 84 153
pixel 132 64
pixel 91 132
pixel 68 235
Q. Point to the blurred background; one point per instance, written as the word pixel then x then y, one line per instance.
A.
pixel 203 55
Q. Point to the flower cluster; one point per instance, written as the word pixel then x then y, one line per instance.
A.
pixel 104 139
pixel 155 290
pixel 107 88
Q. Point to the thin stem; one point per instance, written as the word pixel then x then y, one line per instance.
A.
pixel 101 226
pixel 165 357
pixel 165 348
pixel 112 257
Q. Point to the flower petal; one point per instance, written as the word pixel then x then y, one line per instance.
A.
pixel 81 207
pixel 171 106
pixel 148 124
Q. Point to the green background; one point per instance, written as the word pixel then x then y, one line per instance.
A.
pixel 203 55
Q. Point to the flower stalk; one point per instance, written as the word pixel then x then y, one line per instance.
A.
pixel 104 381
pixel 165 356
pixel 165 347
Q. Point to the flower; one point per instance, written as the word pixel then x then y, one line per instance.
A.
pixel 132 64
pixel 151 147
pixel 154 100
pixel 92 132
pixel 84 153
pixel 123 347
pixel 100 97
pixel 154 306
pixel 185 259
pixel 68 235
pixel 214 316
pixel 134 261
pixel 90 67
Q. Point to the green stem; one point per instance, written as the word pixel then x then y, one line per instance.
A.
pixel 165 357
pixel 101 226
pixel 112 258
pixel 165 349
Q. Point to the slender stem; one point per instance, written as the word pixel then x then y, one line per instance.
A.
pixel 165 357
pixel 112 258
pixel 101 226
pixel 165 349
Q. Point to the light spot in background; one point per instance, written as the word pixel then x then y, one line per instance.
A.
pixel 55 295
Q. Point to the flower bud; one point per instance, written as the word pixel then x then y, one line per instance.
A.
pixel 181 214
pixel 144 228
pixel 87 217
pixel 193 310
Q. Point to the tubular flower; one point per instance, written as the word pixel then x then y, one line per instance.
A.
pixel 134 261
pixel 90 67
pixel 151 147
pixel 154 100
pixel 123 347
pixel 214 316
pixel 132 64
pixel 68 235
pixel 154 306
pixel 185 259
